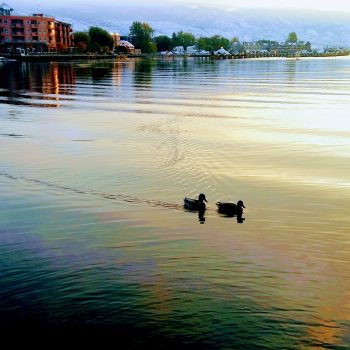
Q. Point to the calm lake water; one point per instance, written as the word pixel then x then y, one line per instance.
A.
pixel 96 158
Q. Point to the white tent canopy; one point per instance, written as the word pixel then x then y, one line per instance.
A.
pixel 126 44
pixel 221 51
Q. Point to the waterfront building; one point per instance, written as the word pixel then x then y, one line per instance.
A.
pixel 36 33
pixel 221 52
pixel 116 39
pixel 64 36
pixel 130 48
pixel 192 50
pixel 255 46
pixel 178 50
pixel 166 53
pixel 236 47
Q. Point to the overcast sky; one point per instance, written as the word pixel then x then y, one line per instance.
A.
pixel 336 5
pixel 228 4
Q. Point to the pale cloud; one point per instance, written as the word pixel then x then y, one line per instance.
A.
pixel 335 5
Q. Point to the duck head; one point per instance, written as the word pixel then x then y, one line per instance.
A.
pixel 240 204
pixel 202 198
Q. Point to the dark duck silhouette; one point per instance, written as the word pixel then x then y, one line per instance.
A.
pixel 231 209
pixel 195 204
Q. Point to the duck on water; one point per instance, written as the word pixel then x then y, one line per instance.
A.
pixel 197 205
pixel 232 209
pixel 227 208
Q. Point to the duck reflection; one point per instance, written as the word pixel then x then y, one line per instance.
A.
pixel 201 217
pixel 232 209
pixel 197 205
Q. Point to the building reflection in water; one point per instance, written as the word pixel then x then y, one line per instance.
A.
pixel 143 73
pixel 52 84
pixel 39 85
pixel 117 73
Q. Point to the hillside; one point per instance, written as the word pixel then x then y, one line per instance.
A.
pixel 320 28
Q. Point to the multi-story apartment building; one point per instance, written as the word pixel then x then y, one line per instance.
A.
pixel 64 36
pixel 36 33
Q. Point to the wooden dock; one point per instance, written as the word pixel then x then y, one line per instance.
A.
pixel 57 57
pixel 47 57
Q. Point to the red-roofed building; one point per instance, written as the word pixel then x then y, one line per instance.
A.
pixel 36 33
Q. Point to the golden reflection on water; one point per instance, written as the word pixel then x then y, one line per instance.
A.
pixel 142 135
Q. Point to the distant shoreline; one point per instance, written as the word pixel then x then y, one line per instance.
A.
pixel 75 57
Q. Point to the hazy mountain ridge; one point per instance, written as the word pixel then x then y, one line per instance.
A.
pixel 320 28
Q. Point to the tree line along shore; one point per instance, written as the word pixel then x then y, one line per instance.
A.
pixel 141 36
pixel 97 43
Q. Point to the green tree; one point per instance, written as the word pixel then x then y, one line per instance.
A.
pixel 308 46
pixel 100 40
pixel 81 41
pixel 141 34
pixel 183 39
pixel 204 44
pixel 292 37
pixel 213 43
pixel 219 41
pixel 163 43
pixel 81 37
